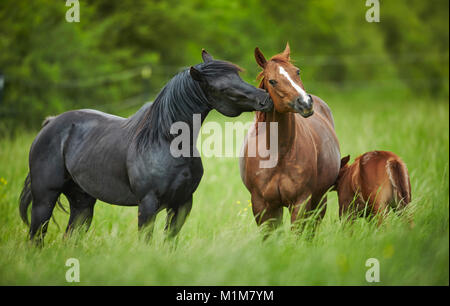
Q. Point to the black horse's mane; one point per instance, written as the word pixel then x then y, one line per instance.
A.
pixel 178 101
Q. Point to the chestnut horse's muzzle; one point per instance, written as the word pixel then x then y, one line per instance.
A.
pixel 304 107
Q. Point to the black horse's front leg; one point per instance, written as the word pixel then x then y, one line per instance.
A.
pixel 148 208
pixel 176 218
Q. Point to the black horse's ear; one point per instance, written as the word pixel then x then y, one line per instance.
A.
pixel 206 56
pixel 260 59
pixel 345 160
pixel 196 75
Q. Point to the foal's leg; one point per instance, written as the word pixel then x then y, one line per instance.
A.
pixel 402 211
pixel 81 207
pixel 351 206
pixel 379 210
pixel 147 210
pixel 176 218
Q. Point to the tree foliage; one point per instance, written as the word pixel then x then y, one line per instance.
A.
pixel 51 65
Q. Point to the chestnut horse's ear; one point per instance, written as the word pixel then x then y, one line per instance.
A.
pixel 345 160
pixel 260 59
pixel 287 52
pixel 206 56
pixel 196 75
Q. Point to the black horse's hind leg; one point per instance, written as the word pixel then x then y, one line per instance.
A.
pixel 41 212
pixel 176 218
pixel 81 207
pixel 147 210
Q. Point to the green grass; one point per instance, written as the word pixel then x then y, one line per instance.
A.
pixel 220 243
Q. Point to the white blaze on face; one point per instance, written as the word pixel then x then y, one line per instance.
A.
pixel 298 88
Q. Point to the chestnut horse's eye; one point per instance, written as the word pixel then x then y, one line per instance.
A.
pixel 298 72
pixel 273 82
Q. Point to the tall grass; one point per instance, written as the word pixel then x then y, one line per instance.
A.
pixel 220 243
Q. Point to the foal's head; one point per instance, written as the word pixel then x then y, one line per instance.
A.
pixel 342 171
pixel 282 80
pixel 225 89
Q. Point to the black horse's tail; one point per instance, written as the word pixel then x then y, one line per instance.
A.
pixel 25 199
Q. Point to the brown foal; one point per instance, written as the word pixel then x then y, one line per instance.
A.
pixel 308 156
pixel 378 178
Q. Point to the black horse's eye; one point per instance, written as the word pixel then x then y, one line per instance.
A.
pixel 273 82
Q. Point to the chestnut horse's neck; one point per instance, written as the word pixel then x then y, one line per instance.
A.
pixel 286 125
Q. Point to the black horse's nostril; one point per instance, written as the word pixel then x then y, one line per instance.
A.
pixel 264 101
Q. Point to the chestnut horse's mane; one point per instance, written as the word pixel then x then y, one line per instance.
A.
pixel 279 58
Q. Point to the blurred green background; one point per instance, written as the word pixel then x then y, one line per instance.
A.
pixel 386 83
pixel 50 65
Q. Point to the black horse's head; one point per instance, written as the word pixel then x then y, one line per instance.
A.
pixel 225 89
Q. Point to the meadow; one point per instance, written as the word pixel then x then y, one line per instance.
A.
pixel 220 243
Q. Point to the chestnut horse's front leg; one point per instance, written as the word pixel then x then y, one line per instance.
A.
pixel 299 208
pixel 308 211
pixel 266 213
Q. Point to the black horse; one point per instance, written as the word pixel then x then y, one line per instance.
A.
pixel 89 155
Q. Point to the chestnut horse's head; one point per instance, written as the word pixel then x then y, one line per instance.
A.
pixel 282 80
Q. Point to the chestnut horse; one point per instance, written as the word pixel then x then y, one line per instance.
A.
pixel 378 178
pixel 308 155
